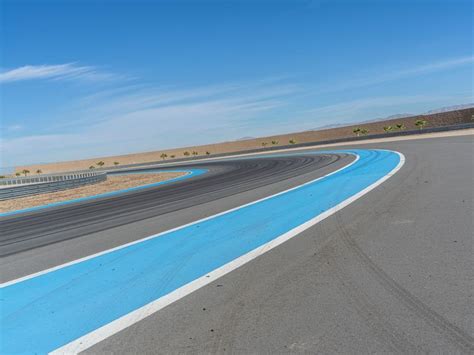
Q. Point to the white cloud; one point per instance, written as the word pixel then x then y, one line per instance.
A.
pixel 68 71
pixel 436 66
pixel 120 122
pixel 392 74
pixel 134 118
pixel 373 107
pixel 14 128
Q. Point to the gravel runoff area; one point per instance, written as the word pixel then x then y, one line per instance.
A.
pixel 113 183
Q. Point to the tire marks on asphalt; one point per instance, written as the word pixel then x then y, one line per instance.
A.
pixel 451 332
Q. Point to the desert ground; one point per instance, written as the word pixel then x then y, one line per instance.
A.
pixel 433 120
pixel 113 183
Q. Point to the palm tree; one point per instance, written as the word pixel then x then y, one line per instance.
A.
pixel 364 131
pixel 116 163
pixel 388 129
pixel 172 156
pixel 357 131
pixel 264 144
pixel 163 156
pixel 25 171
pixel 101 163
pixel 292 141
pixel 208 153
pixel 186 153
pixel 38 171
pixel 400 126
pixel 17 174
pixel 91 167
pixel 420 124
pixel 274 142
pixel 195 153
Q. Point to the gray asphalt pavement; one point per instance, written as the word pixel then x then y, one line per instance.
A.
pixel 225 178
pixel 392 272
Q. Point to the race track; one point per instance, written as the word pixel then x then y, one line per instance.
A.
pixel 223 179
pixel 390 272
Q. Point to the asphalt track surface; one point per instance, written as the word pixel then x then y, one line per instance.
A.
pixel 224 179
pixel 391 272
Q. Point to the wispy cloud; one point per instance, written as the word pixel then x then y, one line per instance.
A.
pixel 352 110
pixel 134 117
pixel 112 104
pixel 68 71
pixel 418 70
pixel 14 128
pixel 436 66
pixel 141 119
pixel 392 74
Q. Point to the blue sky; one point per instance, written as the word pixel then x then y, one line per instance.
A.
pixel 91 78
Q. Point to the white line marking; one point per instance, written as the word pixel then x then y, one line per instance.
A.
pixel 8 283
pixel 139 314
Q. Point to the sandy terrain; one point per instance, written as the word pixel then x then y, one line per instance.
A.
pixel 113 183
pixel 464 132
pixel 427 136
pixel 433 120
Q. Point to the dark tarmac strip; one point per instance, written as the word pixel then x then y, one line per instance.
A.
pixel 392 272
pixel 225 178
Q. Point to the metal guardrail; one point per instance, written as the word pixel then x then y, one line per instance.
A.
pixel 100 173
pixel 127 167
pixel 22 180
pixel 51 183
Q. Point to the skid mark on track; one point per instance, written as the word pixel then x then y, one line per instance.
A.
pixel 373 316
pixel 217 240
pixel 451 332
pixel 47 231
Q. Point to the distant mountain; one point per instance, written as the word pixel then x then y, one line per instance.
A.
pixel 450 108
pixel 244 139
pixel 399 115
pixel 392 117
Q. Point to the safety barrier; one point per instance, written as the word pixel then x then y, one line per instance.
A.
pixel 157 164
pixel 28 186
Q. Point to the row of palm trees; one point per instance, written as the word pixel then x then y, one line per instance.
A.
pixel 400 126
pixel 193 153
pixel 421 124
pixel 291 141
pixel 24 172
pixel 357 131
pixel 163 156
pixel 360 131
pixel 101 163
pixel 185 153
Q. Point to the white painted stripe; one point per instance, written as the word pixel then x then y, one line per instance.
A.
pixel 8 283
pixel 131 318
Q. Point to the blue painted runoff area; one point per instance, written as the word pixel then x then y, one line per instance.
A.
pixel 43 313
pixel 190 173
